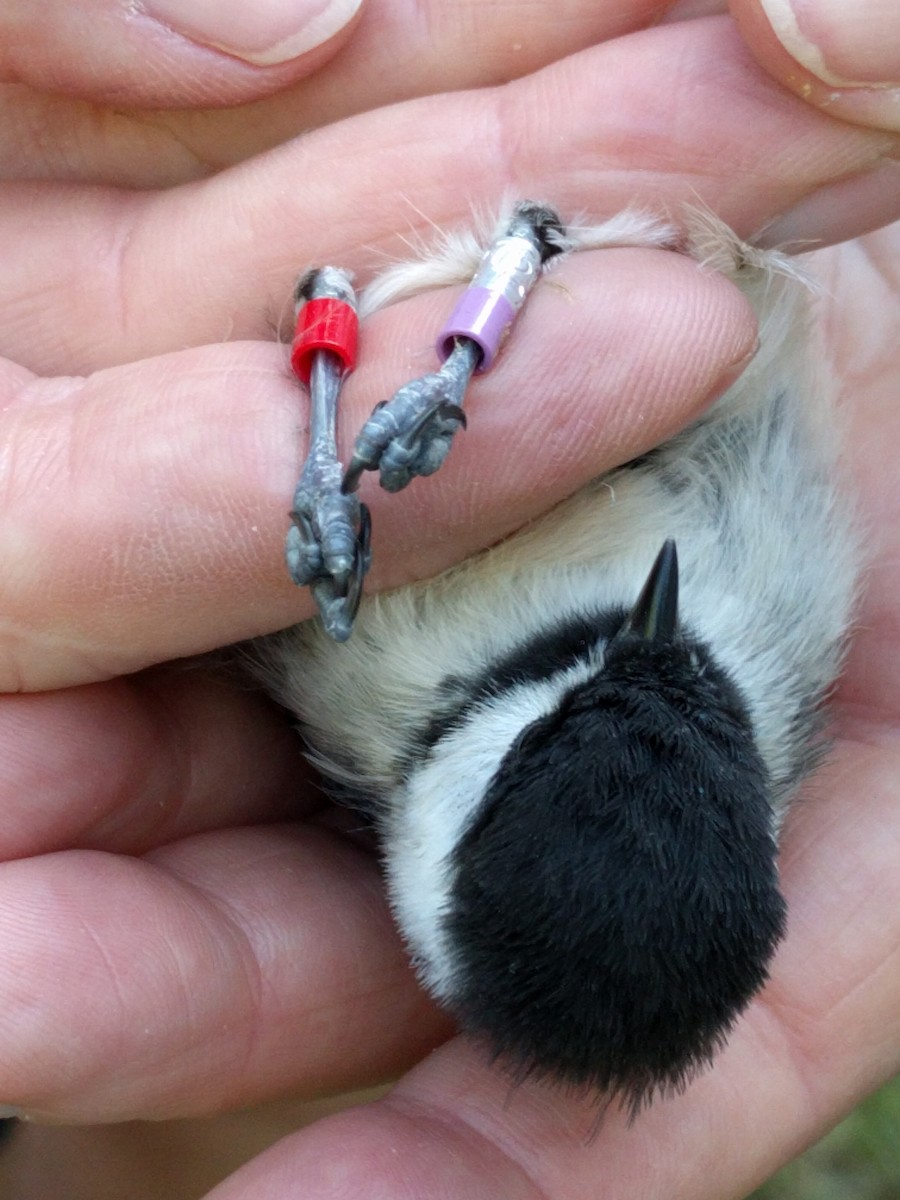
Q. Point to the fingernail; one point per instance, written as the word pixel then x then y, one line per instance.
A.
pixel 263 33
pixel 9 1110
pixel 845 43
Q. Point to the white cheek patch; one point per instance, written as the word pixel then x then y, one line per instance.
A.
pixel 433 809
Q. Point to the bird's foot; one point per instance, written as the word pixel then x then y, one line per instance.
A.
pixel 328 546
pixel 411 434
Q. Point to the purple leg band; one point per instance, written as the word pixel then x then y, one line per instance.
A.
pixel 482 315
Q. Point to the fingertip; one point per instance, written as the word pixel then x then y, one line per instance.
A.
pixel 842 57
pixel 613 355
pixel 172 53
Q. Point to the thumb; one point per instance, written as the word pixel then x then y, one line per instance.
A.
pixel 843 57
pixel 169 52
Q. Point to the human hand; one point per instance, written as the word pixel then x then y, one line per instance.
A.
pixel 177 89
pixel 152 554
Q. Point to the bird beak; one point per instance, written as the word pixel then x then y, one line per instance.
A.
pixel 655 615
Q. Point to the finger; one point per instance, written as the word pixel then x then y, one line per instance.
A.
pixel 402 51
pixel 146 508
pixel 594 134
pixel 826 1030
pixel 844 58
pixel 140 762
pixel 169 52
pixel 397 51
pixel 863 339
pixel 220 971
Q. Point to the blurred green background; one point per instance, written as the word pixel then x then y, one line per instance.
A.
pixel 859 1160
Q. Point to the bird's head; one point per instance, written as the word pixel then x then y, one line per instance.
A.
pixel 613 903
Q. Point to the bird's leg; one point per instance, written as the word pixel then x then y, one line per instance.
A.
pixel 327 545
pixel 411 434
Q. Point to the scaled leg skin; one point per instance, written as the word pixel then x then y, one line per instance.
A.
pixel 327 546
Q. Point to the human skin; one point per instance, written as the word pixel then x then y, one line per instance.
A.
pixel 176 943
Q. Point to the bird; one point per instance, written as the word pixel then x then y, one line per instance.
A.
pixel 577 748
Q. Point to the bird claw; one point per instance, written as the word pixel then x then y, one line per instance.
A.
pixel 412 433
pixel 328 549
pixel 401 448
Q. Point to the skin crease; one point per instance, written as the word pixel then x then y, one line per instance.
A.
pixel 240 958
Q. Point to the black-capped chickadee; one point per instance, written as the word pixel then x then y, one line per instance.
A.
pixel 577 748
